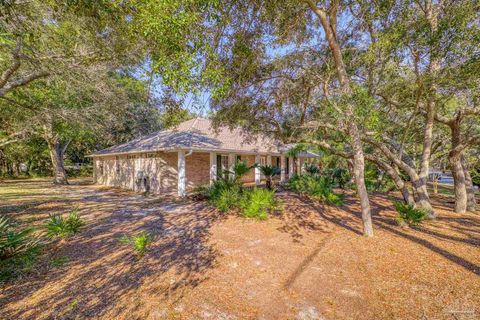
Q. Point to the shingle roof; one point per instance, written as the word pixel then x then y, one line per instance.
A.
pixel 197 134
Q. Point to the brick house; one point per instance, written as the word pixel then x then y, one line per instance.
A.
pixel 176 160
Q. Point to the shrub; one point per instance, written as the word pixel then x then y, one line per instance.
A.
pixel 269 172
pixel 57 226
pixel 227 199
pixel 18 249
pixel 257 202
pixel 407 213
pixel 319 188
pixel 339 176
pixel 311 169
pixel 138 242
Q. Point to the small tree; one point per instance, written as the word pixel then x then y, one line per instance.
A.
pixel 269 172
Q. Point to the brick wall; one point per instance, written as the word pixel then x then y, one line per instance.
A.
pixel 197 169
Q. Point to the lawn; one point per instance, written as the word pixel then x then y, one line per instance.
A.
pixel 307 262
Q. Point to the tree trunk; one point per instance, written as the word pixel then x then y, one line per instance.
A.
pixel 56 154
pixel 359 174
pixel 329 24
pixel 422 198
pixel 57 151
pixel 471 202
pixel 459 185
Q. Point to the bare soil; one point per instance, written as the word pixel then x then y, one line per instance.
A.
pixel 309 261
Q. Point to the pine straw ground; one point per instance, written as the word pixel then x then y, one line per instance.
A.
pixel 308 262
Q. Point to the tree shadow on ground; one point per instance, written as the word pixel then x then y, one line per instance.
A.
pixel 101 270
pixel 348 217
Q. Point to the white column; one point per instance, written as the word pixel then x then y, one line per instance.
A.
pixel 269 160
pixel 181 174
pixel 257 170
pixel 290 167
pixel 231 162
pixel 282 168
pixel 213 167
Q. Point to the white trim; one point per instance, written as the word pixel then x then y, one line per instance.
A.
pixel 182 183
pixel 291 166
pixel 213 167
pixel 231 162
pixel 282 168
pixel 257 170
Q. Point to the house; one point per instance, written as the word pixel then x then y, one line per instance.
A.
pixel 175 161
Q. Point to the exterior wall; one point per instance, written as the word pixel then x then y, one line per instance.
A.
pixel 250 176
pixel 159 168
pixel 197 169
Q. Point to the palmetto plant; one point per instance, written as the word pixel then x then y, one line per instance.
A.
pixel 58 226
pixel 269 172
pixel 238 170
pixel 138 242
pixel 13 242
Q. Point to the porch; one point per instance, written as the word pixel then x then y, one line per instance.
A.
pixel 222 161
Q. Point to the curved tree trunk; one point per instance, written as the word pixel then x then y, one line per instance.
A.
pixel 422 199
pixel 359 174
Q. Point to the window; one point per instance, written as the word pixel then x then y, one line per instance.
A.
pixel 131 156
pixel 222 165
pixel 278 162
pixel 151 155
pixel 263 161
pixel 287 165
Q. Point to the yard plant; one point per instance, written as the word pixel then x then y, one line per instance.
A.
pixel 257 202
pixel 316 187
pixel 58 226
pixel 18 249
pixel 138 242
pixel 407 213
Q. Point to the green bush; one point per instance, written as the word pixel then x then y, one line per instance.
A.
pixel 407 213
pixel 311 169
pixel 257 202
pixel 319 188
pixel 223 194
pixel 58 226
pixel 138 242
pixel 339 176
pixel 18 249
pixel 227 199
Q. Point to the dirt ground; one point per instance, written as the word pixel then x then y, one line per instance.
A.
pixel 308 262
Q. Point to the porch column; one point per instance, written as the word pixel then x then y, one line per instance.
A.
pixel 282 168
pixel 181 174
pixel 213 167
pixel 257 170
pixel 231 162
pixel 299 166
pixel 290 167
pixel 269 160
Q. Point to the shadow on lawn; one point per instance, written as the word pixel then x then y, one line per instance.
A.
pixel 348 217
pixel 102 274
